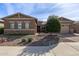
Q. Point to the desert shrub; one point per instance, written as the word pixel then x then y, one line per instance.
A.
pixel 30 39
pixel 23 40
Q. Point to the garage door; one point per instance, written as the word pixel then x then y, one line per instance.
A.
pixel 65 29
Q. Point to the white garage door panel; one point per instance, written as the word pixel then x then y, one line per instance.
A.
pixel 65 29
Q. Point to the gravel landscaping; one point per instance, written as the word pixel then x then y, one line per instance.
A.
pixel 29 40
pixel 46 41
pixel 70 38
pixel 13 40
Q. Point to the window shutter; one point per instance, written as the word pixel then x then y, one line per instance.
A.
pixel 23 25
pixel 16 25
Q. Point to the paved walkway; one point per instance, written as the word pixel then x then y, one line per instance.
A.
pixel 62 49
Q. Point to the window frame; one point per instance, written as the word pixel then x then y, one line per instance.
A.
pixel 19 25
pixel 27 25
pixel 12 25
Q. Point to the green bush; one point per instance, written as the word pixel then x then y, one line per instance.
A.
pixel 23 40
pixel 53 24
pixel 30 39
pixel 1 30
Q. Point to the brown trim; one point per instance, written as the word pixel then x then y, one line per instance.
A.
pixel 19 29
pixel 18 13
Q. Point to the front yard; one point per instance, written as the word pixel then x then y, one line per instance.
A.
pixel 28 40
pixel 38 47
pixel 36 40
pixel 13 40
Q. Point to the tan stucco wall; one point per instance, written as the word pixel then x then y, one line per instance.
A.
pixel 66 27
pixel 1 25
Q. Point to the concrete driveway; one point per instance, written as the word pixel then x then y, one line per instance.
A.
pixel 64 48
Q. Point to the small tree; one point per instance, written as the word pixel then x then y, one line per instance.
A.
pixel 53 24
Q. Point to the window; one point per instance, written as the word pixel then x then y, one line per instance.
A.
pixel 19 25
pixel 12 25
pixel 26 25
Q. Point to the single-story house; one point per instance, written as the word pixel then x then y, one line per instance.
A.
pixel 66 25
pixel 41 26
pixel 76 27
pixel 20 24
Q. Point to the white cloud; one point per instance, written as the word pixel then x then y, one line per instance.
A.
pixel 9 8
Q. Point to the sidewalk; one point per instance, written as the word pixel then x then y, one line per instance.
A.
pixel 62 49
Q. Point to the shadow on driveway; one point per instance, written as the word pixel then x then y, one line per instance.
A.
pixel 41 47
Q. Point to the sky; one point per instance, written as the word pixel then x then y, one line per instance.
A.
pixel 41 10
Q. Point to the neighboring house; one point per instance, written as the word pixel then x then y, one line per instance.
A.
pixel 24 24
pixel 1 23
pixel 66 25
pixel 41 26
pixel 20 24
pixel 76 27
